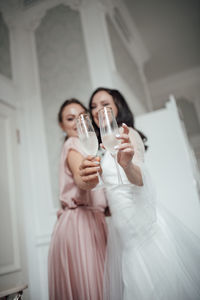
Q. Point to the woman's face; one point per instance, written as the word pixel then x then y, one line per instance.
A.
pixel 69 115
pixel 100 100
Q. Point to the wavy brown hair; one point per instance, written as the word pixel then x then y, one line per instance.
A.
pixel 66 103
pixel 124 114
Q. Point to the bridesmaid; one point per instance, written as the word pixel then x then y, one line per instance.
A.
pixel 78 244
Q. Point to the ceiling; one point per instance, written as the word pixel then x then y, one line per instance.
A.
pixel 170 30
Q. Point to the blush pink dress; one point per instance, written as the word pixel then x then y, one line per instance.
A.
pixel 78 244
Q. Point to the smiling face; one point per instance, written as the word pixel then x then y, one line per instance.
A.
pixel 100 100
pixel 69 115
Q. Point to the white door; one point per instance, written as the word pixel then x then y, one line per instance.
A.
pixel 12 237
pixel 169 162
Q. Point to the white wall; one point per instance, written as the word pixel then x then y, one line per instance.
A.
pixel 184 85
pixel 169 162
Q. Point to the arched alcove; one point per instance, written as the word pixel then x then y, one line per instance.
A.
pixel 64 73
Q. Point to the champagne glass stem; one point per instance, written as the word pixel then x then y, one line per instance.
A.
pixel 100 179
pixel 117 167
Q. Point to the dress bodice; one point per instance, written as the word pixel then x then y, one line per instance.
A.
pixel 70 194
pixel 132 208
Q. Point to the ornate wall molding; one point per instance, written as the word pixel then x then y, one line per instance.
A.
pixel 127 29
pixel 175 82
pixel 31 17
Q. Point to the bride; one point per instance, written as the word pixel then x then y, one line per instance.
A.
pixel 150 254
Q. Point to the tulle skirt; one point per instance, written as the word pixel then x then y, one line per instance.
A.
pixel 77 255
pixel 161 263
pixel 166 265
pixel 151 255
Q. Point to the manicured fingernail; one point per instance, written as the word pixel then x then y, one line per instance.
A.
pixel 124 124
pixel 117 135
pixel 96 162
pixel 116 147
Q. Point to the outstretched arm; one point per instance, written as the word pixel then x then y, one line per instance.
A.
pixel 128 152
pixel 85 178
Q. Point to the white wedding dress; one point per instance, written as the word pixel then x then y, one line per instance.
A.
pixel 151 255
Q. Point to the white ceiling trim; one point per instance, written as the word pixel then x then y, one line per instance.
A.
pixel 124 22
pixel 174 82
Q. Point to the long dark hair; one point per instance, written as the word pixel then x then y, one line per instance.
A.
pixel 66 103
pixel 124 114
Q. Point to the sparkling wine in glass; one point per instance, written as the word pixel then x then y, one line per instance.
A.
pixel 87 137
pixel 109 129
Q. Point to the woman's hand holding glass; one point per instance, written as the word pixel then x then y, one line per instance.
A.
pixel 122 152
pixel 125 149
pixel 125 155
pixel 90 168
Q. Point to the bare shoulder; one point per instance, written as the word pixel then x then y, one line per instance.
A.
pixel 74 160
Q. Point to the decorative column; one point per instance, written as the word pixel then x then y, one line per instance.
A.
pixel 99 52
pixel 35 184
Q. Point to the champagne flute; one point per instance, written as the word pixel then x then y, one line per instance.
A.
pixel 109 129
pixel 88 138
